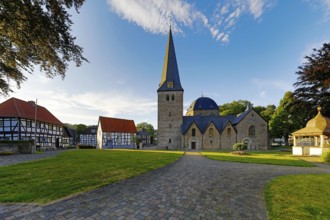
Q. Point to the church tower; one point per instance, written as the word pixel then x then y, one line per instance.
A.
pixel 170 101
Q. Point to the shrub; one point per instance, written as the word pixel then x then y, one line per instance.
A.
pixel 86 147
pixel 326 156
pixel 239 146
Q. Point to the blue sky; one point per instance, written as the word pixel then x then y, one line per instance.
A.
pixel 226 50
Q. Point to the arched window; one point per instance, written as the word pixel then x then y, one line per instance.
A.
pixel 193 132
pixel 169 141
pixel 252 131
pixel 210 132
pixel 228 132
pixel 167 97
pixel 172 97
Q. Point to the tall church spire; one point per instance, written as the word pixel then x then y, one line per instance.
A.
pixel 170 80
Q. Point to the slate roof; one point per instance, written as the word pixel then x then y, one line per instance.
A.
pixel 170 69
pixel 117 125
pixel 202 122
pixel 14 107
pixel 220 122
pixel 203 103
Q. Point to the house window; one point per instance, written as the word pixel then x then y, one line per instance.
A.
pixel 228 132
pixel 210 132
pixel 172 97
pixel 167 97
pixel 1 123
pixel 252 131
pixel 193 132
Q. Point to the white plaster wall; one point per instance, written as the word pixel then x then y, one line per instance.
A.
pixel 297 150
pixel 315 151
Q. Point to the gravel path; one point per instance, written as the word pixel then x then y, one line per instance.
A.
pixel 194 187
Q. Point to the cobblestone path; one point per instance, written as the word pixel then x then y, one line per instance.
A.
pixel 191 188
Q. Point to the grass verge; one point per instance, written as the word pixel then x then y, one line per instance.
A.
pixel 260 157
pixel 76 171
pixel 298 197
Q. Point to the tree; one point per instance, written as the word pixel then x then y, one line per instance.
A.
pixel 148 128
pixel 313 83
pixel 81 128
pixel 234 108
pixel 266 112
pixel 286 119
pixel 36 33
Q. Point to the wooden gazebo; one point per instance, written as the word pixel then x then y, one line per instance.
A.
pixel 313 139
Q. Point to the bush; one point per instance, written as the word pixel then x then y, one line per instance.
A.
pixel 239 146
pixel 326 156
pixel 86 147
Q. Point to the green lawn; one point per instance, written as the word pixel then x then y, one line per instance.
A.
pixel 260 157
pixel 298 197
pixel 76 171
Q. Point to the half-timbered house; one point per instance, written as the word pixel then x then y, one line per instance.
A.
pixel 88 137
pixel 21 120
pixel 115 133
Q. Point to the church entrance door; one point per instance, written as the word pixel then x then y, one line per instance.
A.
pixel 193 145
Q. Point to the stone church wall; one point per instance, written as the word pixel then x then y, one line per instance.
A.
pixel 228 137
pixel 211 138
pixel 260 140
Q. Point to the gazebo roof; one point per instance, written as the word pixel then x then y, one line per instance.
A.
pixel 316 126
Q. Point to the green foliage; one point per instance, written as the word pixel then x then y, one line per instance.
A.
pixel 239 146
pixel 36 33
pixel 148 128
pixel 260 157
pixel 266 112
pixel 298 197
pixel 286 119
pixel 81 128
pixel 313 83
pixel 326 156
pixel 76 171
pixel 234 108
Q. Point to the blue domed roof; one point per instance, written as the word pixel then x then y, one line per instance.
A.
pixel 204 103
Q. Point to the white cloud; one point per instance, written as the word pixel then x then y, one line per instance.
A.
pixel 283 86
pixel 86 107
pixel 322 5
pixel 156 16
pixel 256 7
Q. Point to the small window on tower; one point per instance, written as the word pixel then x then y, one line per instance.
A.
pixel 169 114
pixel 170 85
pixel 172 97
pixel 169 140
pixel 167 97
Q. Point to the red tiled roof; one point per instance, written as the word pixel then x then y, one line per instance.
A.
pixel 117 125
pixel 14 107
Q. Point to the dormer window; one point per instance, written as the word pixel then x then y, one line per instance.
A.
pixel 170 85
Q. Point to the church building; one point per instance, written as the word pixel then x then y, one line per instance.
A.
pixel 202 128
